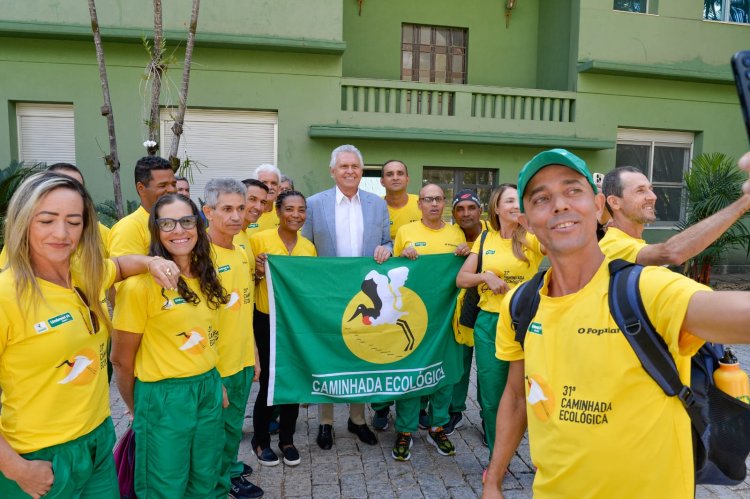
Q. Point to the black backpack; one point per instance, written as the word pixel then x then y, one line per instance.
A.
pixel 721 423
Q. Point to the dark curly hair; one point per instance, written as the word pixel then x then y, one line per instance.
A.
pixel 288 194
pixel 201 263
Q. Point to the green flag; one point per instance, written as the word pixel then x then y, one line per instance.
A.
pixel 352 330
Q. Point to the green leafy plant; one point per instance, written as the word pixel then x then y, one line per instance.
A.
pixel 108 214
pixel 10 178
pixel 712 184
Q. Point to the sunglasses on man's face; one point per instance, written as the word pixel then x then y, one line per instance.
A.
pixel 169 224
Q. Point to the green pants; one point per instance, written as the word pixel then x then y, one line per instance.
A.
pixel 461 389
pixel 238 390
pixel 179 436
pixel 83 467
pixel 407 410
pixel 492 373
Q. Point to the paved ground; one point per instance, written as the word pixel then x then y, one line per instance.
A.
pixel 355 470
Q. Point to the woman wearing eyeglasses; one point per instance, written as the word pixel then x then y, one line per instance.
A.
pixel 165 361
pixel 291 209
pixel 56 435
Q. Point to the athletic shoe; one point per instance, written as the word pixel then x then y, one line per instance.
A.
pixel 247 470
pixel 380 419
pixel 424 419
pixel 291 455
pixel 401 447
pixel 243 488
pixel 267 457
pixel 439 439
pixel 456 421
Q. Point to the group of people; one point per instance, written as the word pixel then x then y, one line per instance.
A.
pixel 190 329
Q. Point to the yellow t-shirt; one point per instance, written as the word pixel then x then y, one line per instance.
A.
pixel 268 220
pixel 428 241
pixel 236 343
pixel 617 244
pixel 270 243
pixel 104 233
pixel 408 213
pixel 499 258
pixel 599 426
pixel 130 235
pixel 53 368
pixel 179 338
pixel 243 241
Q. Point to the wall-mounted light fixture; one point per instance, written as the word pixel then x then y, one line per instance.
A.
pixel 509 6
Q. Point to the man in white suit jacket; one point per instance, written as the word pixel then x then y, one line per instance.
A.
pixel 345 221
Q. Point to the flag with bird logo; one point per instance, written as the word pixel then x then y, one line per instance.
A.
pixel 353 330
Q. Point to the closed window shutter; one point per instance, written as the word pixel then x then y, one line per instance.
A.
pixel 222 143
pixel 46 133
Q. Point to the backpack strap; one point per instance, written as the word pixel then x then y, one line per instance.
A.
pixel 481 251
pixel 524 304
pixel 626 307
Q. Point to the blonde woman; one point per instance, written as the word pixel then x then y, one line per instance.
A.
pixel 56 435
pixel 510 257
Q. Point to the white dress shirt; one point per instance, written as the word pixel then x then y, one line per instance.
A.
pixel 349 225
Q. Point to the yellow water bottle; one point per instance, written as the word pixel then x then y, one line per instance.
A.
pixel 731 379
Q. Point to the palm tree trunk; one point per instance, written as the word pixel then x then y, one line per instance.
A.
pixel 180 116
pixel 156 70
pixel 111 160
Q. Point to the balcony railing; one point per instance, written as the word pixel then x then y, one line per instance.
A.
pixel 427 99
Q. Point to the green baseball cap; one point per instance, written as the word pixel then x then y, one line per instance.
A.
pixel 547 158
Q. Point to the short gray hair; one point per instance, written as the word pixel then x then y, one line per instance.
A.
pixel 345 148
pixel 269 168
pixel 218 186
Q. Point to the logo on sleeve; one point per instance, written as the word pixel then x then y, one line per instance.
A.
pixel 224 268
pixel 420 243
pixel 489 252
pixel 535 327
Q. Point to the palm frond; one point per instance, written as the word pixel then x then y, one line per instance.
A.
pixel 713 183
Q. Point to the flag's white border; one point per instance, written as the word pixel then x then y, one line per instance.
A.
pixel 272 339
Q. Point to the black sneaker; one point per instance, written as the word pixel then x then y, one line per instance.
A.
pixel 401 448
pixel 380 419
pixel 456 421
pixel 243 488
pixel 247 470
pixel 439 439
pixel 424 419
pixel 291 455
pixel 267 457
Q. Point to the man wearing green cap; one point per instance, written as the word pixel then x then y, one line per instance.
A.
pixel 631 202
pixel 599 426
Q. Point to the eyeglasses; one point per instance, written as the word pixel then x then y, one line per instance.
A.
pixel 93 323
pixel 169 224
pixel 433 199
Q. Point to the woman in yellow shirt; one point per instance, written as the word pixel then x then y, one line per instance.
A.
pixel 56 434
pixel 165 360
pixel 510 257
pixel 286 240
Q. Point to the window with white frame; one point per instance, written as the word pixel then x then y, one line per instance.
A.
pixel 222 143
pixel 46 133
pixel 641 6
pixel 664 157
pixel 733 11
